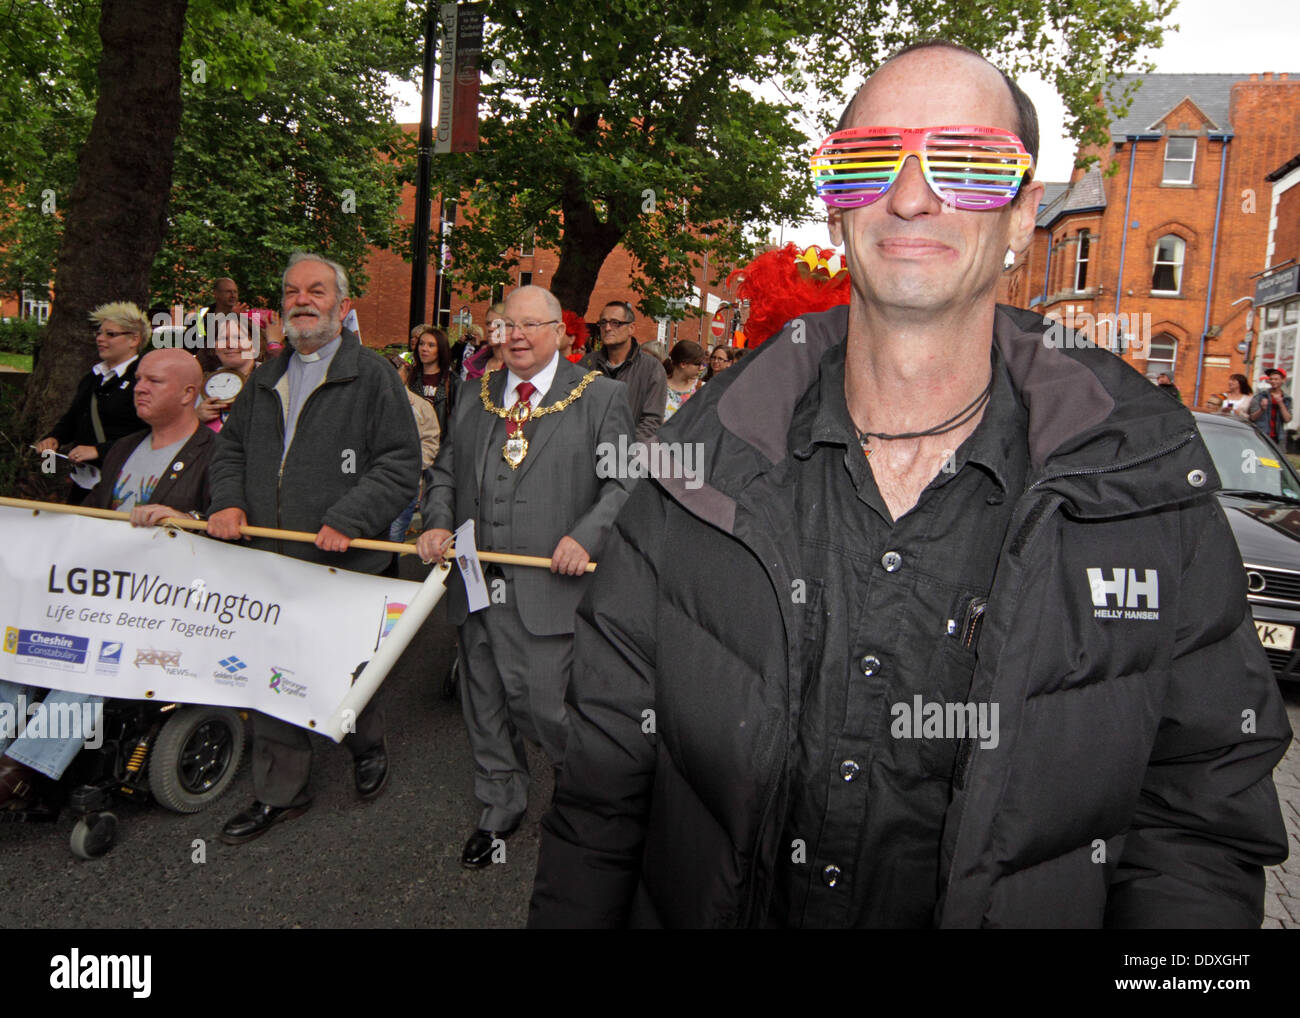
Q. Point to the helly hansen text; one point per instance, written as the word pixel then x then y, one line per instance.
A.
pixel 102 972
pixel 1135 595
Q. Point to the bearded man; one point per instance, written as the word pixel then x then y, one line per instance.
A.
pixel 320 439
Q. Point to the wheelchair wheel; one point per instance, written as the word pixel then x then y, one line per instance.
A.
pixel 93 835
pixel 452 679
pixel 195 757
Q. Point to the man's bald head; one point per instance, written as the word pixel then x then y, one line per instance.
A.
pixel 225 295
pixel 168 383
pixel 1024 120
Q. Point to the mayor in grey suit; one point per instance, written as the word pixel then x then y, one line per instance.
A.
pixel 532 488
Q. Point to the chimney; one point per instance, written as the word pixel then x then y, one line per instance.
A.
pixel 1254 77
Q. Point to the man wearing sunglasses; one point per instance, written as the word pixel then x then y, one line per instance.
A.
pixel 954 634
pixel 620 357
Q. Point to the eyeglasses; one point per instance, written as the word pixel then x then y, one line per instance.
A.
pixel 610 323
pixel 969 168
pixel 527 328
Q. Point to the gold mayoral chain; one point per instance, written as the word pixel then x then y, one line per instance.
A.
pixel 516 447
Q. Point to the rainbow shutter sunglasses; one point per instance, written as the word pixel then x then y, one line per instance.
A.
pixel 970 168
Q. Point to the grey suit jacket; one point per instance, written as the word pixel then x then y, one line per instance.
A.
pixel 557 490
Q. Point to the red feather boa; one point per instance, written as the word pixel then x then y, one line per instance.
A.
pixel 778 291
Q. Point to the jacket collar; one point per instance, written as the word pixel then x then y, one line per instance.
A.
pixel 343 365
pixel 600 359
pixel 1092 419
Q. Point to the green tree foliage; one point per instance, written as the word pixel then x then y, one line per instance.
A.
pixel 286 138
pixel 306 157
pixel 592 108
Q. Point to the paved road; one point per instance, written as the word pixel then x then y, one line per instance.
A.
pixel 1282 900
pixel 394 862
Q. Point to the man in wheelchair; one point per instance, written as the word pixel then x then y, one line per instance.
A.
pixel 152 474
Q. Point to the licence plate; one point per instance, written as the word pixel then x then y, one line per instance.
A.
pixel 1274 636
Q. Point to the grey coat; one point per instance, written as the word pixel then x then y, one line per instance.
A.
pixel 557 491
pixel 354 463
pixel 647 386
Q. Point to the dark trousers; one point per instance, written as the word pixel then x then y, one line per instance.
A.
pixel 282 754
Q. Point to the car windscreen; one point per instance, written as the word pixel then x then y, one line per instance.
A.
pixel 1246 462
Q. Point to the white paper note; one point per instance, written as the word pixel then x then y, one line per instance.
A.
pixel 470 570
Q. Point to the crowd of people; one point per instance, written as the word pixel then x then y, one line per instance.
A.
pixel 911 502
pixel 145 424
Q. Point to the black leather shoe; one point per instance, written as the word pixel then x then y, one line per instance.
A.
pixel 372 770
pixel 257 820
pixel 478 850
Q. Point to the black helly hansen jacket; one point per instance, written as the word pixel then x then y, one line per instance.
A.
pixel 1152 735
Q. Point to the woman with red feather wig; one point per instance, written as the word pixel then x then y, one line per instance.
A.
pixel 784 283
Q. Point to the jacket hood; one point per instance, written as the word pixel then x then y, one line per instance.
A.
pixel 1092 419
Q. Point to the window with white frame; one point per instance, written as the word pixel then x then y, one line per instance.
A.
pixel 33 308
pixel 1167 275
pixel 1278 337
pixel 1161 354
pixel 1081 261
pixel 1180 160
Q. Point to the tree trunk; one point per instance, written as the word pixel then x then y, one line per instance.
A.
pixel 586 244
pixel 115 217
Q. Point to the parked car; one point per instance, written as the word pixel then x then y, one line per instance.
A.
pixel 1261 497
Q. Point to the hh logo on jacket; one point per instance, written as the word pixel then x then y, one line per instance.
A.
pixel 1135 597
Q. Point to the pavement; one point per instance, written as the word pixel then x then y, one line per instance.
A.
pixel 1282 894
pixel 391 863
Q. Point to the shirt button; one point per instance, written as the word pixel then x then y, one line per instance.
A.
pixel 849 770
pixel 870 664
pixel 831 875
pixel 892 561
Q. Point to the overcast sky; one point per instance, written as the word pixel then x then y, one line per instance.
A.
pixel 1214 36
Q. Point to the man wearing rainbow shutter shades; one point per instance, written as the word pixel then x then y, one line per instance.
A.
pixel 955 632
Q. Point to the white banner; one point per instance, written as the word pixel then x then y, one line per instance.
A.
pixel 97 606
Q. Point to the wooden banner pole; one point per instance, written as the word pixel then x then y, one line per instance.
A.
pixel 189 523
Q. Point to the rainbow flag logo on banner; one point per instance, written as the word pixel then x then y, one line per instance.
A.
pixel 392 612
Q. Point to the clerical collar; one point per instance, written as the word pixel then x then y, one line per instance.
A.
pixel 325 352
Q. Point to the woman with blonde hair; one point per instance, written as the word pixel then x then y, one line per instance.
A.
pixel 103 408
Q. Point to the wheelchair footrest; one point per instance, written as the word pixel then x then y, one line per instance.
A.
pixel 90 798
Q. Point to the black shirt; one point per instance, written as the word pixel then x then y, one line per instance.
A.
pixel 891 604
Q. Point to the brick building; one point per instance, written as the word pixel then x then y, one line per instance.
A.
pixel 1277 290
pixel 383 312
pixel 1158 243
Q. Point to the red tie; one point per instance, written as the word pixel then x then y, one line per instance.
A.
pixel 522 395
